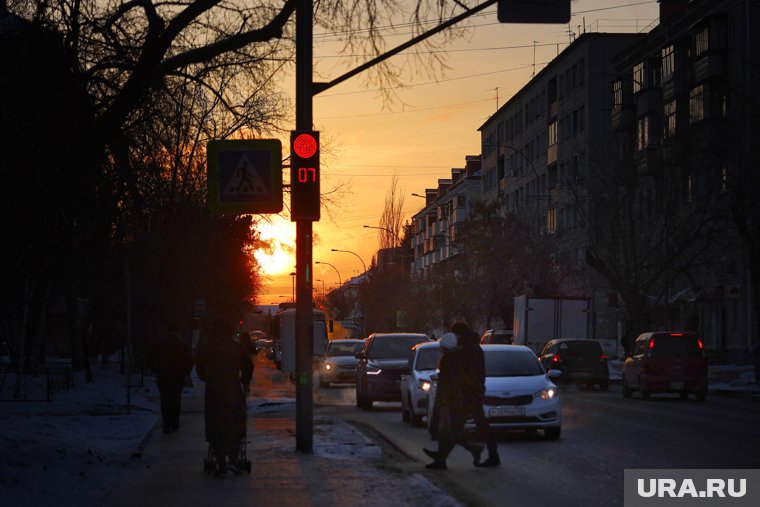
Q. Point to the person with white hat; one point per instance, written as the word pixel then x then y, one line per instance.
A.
pixel 449 405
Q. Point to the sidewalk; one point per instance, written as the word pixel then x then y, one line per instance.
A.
pixel 345 469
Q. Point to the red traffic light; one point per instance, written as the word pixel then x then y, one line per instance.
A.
pixel 305 146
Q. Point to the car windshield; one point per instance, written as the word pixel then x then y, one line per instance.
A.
pixel 338 348
pixel 427 358
pixel 512 363
pixel 393 346
pixel 504 338
pixel 676 346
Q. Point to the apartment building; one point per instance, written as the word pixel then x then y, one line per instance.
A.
pixel 685 112
pixel 435 227
pixel 537 153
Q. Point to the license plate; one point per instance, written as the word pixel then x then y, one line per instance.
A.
pixel 676 385
pixel 506 412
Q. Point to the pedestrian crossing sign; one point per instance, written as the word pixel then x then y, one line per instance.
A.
pixel 245 176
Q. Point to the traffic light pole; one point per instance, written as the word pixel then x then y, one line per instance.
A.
pixel 304 312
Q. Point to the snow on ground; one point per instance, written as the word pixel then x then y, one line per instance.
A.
pixel 74 449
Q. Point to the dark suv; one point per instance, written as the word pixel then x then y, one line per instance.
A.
pixel 579 360
pixel 498 336
pixel 666 362
pixel 380 365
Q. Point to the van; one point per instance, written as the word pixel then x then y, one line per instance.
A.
pixel 666 362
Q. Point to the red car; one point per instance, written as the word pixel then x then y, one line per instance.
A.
pixel 666 362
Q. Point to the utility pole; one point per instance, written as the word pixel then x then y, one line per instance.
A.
pixel 304 303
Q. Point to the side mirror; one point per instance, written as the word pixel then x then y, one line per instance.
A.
pixel 554 373
pixel 434 377
pixel 360 355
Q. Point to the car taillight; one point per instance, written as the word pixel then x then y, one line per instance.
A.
pixel 651 344
pixel 699 342
pixel 556 359
pixel 603 358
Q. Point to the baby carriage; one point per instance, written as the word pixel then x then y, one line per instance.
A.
pixel 238 466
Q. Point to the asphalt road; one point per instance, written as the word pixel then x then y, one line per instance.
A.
pixel 603 434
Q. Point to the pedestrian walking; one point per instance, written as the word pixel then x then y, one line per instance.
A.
pixel 171 360
pixel 474 389
pixel 450 406
pixel 225 366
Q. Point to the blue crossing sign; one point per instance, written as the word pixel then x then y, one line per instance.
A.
pixel 245 176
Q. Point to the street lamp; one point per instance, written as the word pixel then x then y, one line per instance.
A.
pixel 293 280
pixel 336 269
pixel 395 236
pixel 418 195
pixel 323 285
pixel 357 256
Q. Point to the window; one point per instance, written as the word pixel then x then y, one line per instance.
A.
pixel 638 77
pixel 670 119
pixel 702 42
pixel 553 133
pixel 642 133
pixel 690 188
pixel 551 221
pixel 696 104
pixel 668 63
pixel 617 94
pixel 581 71
pixel 581 118
pixel 461 201
pixel 723 180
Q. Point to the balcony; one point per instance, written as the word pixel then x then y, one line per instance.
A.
pixel 552 153
pixel 649 161
pixel 711 65
pixel 623 118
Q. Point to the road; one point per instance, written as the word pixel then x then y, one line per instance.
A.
pixel 603 434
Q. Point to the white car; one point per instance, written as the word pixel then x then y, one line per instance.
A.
pixel 415 382
pixel 520 394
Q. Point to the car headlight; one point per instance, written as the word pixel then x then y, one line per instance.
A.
pixel 328 366
pixel 547 394
pixel 373 370
pixel 424 385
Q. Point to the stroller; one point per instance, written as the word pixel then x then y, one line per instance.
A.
pixel 242 463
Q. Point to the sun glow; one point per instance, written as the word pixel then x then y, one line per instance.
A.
pixel 278 256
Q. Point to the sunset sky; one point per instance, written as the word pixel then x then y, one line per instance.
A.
pixel 428 131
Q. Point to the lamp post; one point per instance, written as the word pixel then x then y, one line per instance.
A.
pixel 354 253
pixel 293 283
pixel 419 195
pixel 336 270
pixel 323 285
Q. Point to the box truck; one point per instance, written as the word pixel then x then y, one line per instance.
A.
pixel 540 319
pixel 284 344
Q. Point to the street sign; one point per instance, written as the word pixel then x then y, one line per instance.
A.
pixel 534 11
pixel 245 176
pixel 304 175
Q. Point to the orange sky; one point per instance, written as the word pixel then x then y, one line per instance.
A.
pixel 424 137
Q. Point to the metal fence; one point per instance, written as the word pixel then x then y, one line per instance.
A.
pixel 34 384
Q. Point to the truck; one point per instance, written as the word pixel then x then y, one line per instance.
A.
pixel 284 343
pixel 540 319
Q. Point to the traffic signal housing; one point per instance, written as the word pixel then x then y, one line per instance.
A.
pixel 304 175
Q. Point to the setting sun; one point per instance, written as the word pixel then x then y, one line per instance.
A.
pixel 278 257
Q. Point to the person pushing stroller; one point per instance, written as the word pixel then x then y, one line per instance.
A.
pixel 226 368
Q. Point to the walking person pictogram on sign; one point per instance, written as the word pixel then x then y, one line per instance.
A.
pixel 245 181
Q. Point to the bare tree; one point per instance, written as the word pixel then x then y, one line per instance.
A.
pixel 392 218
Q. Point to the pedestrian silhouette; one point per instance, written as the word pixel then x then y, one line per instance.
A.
pixel 225 366
pixel 474 389
pixel 450 407
pixel 171 360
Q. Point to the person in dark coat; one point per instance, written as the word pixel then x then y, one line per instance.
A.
pixel 225 366
pixel 474 388
pixel 171 360
pixel 450 405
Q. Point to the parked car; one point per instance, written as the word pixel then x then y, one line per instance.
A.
pixel 666 362
pixel 520 394
pixel 498 336
pixel 579 360
pixel 380 364
pixel 338 365
pixel 415 382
